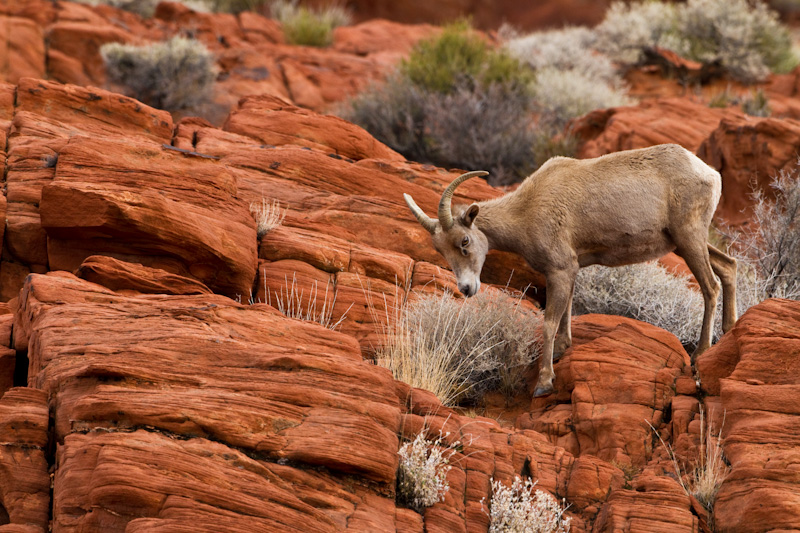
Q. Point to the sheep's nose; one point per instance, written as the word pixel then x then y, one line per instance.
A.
pixel 466 290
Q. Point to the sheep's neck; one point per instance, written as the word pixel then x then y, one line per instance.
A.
pixel 493 220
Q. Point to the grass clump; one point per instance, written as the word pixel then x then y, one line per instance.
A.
pixel 422 471
pixel 460 349
pixel 520 509
pixel 173 75
pixel 745 37
pixel 757 104
pixel 306 26
pixel 293 302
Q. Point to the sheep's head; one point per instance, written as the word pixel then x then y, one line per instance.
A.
pixel 456 237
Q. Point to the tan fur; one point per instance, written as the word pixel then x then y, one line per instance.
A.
pixel 621 208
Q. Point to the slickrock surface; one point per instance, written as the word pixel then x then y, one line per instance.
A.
pixel 755 374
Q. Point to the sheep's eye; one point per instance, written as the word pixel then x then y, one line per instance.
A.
pixel 465 242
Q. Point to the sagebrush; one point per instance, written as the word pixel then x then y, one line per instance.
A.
pixel 460 349
pixel 520 508
pixel 173 75
pixel 745 37
pixel 422 470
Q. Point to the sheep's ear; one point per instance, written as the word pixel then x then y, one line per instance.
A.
pixel 469 215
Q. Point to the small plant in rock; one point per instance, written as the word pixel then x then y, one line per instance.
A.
pixel 423 468
pixel 757 104
pixel 710 470
pixel 460 349
pixel 306 26
pixel 293 302
pixel 268 215
pixel 173 75
pixel 521 509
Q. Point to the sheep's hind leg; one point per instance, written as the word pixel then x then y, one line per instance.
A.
pixel 559 290
pixel 564 335
pixel 696 255
pixel 724 266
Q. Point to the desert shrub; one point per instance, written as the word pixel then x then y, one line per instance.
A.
pixel 520 509
pixel 644 291
pixel 563 95
pixel 306 26
pixel 571 79
pixel 757 104
pixel 743 36
pixel 471 127
pixel 549 142
pixel 422 471
pixel 172 75
pixel 628 29
pixel 146 8
pixel 768 250
pixel 458 57
pixel 460 349
pixel 455 102
pixel 233 6
pixel 268 215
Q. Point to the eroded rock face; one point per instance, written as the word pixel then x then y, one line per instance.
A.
pixel 755 373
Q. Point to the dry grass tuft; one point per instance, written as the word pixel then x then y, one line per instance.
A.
pixel 422 471
pixel 268 216
pixel 294 303
pixel 460 349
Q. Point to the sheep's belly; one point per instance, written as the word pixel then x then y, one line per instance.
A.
pixel 628 249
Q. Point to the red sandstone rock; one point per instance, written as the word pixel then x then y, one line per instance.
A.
pixel 618 376
pixel 123 277
pixel 25 491
pixel 749 151
pixel 670 120
pixel 272 121
pixel 22 46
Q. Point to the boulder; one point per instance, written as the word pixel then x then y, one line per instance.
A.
pixel 121 276
pixel 22 46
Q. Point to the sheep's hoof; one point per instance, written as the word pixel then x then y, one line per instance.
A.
pixel 540 391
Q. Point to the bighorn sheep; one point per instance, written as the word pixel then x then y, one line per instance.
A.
pixel 614 210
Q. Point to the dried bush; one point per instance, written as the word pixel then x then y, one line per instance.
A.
pixel 644 291
pixel 564 95
pixel 746 37
pixel 628 29
pixel 518 509
pixel 422 471
pixel 172 75
pixel 743 36
pixel 306 26
pixel 768 250
pixel 478 127
pixel 268 215
pixel 460 349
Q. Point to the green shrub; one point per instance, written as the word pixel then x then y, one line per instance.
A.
pixel 459 57
pixel 233 6
pixel 172 75
pixel 306 26
pixel 757 104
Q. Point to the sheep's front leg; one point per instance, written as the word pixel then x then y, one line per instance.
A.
pixel 559 293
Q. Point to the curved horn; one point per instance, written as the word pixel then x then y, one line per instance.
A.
pixel 445 214
pixel 427 222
